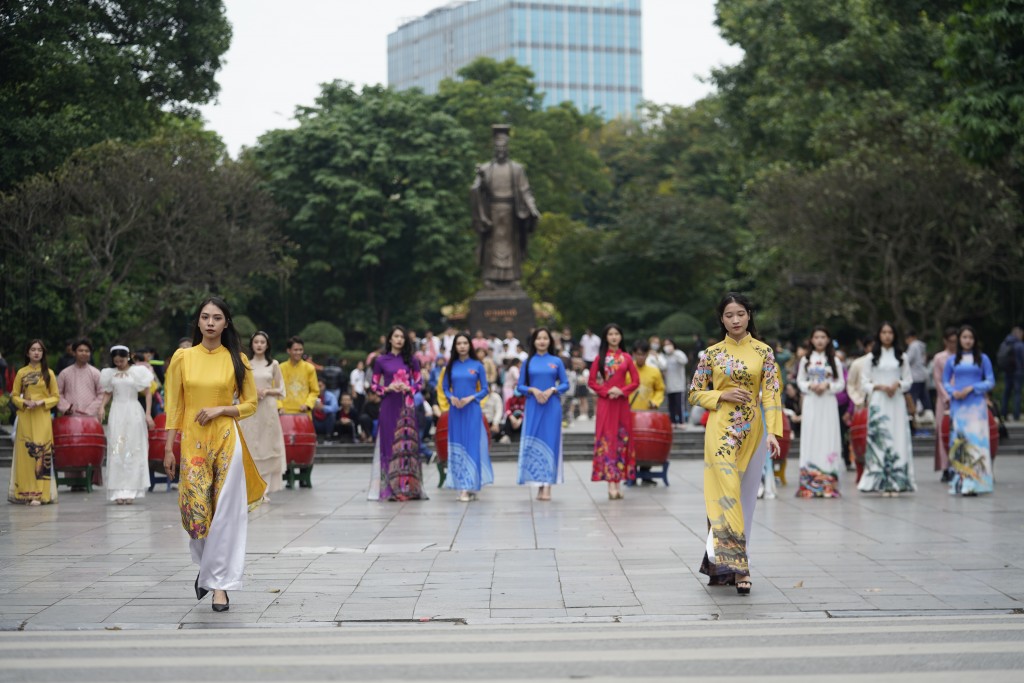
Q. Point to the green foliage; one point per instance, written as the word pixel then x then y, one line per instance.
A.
pixel 375 186
pixel 77 73
pixel 680 327
pixel 322 339
pixel 245 328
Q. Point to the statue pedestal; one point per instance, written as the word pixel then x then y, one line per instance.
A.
pixel 497 310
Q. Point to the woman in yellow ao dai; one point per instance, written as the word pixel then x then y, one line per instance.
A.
pixel 219 480
pixel 737 381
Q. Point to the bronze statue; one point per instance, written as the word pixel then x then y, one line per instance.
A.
pixel 504 215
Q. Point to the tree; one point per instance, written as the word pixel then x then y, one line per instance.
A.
pixel 76 73
pixel 375 186
pixel 122 235
pixel 900 227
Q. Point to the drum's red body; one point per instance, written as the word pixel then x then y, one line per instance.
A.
pixel 441 437
pixel 652 436
pixel 158 440
pixel 299 439
pixel 993 432
pixel 859 432
pixel 787 437
pixel 78 442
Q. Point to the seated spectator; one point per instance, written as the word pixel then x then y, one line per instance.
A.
pixel 325 412
pixel 493 411
pixel 512 427
pixel 348 419
pixel 369 415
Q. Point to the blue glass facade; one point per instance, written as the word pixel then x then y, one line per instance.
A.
pixel 584 51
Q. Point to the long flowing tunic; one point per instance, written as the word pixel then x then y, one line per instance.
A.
pixel 540 448
pixel 127 473
pixel 821 439
pixel 262 431
pixel 889 461
pixel 199 378
pixel 970 453
pixel 469 459
pixel 397 472
pixel 735 446
pixel 32 467
pixel 941 409
pixel 614 451
pixel 301 387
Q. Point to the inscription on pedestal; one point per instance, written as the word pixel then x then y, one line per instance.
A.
pixel 495 311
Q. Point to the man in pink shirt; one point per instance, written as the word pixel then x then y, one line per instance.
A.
pixel 79 385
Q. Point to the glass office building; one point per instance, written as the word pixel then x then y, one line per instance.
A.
pixel 585 51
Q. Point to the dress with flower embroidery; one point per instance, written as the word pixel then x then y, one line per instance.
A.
pixel 397 471
pixel 614 452
pixel 821 440
pixel 734 446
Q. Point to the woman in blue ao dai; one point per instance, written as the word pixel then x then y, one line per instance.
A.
pixel 465 385
pixel 541 381
pixel 966 378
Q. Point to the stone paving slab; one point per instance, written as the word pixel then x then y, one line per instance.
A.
pixel 328 555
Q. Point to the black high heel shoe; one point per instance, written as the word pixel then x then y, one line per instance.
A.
pixel 224 607
pixel 743 586
pixel 200 592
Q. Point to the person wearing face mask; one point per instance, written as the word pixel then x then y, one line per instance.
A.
pixel 673 364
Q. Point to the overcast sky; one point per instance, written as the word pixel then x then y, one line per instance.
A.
pixel 280 53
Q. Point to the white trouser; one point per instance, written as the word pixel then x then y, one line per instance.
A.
pixel 221 555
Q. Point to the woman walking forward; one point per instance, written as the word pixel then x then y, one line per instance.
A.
pixel 465 385
pixel 737 382
pixel 219 480
pixel 967 377
pixel 128 425
pixel 397 471
pixel 34 394
pixel 262 431
pixel 542 380
pixel 820 379
pixel 614 452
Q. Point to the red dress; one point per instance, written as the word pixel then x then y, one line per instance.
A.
pixel 614 454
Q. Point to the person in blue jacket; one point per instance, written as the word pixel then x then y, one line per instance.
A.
pixel 465 385
pixel 540 450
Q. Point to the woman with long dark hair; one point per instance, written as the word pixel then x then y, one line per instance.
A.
pixel 613 377
pixel 820 379
pixel 967 377
pixel 542 380
pixel 262 431
pixel 737 382
pixel 465 385
pixel 397 471
pixel 889 459
pixel 128 425
pixel 34 395
pixel 219 480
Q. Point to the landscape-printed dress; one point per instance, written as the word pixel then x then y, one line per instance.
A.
pixel 970 452
pixel 888 461
pixel 614 452
pixel 821 439
pixel 397 472
pixel 32 477
pixel 735 446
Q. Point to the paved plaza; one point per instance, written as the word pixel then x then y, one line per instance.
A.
pixel 577 584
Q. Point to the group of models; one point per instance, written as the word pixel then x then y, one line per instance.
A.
pixel 212 386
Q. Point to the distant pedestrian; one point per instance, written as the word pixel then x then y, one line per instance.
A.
pixel 889 461
pixel 917 358
pixel 542 380
pixel 967 378
pixel 1010 359
pixel 613 377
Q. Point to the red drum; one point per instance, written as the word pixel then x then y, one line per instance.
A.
pixel 158 440
pixel 441 437
pixel 993 432
pixel 78 442
pixel 859 433
pixel 787 437
pixel 299 439
pixel 652 436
